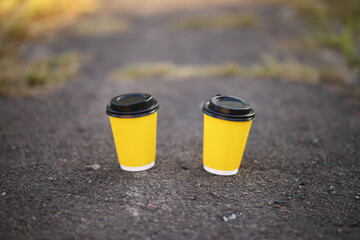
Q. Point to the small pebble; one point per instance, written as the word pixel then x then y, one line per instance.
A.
pixel 51 178
pixel 141 205
pixel 331 189
pixel 357 197
pixel 315 140
pixel 278 204
pixel 93 167
pixel 3 194
pixel 223 231
pixel 214 194
pixel 151 207
pixel 185 168
pixel 355 224
pixel 231 217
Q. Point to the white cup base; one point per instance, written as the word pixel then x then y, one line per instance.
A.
pixel 221 172
pixel 137 169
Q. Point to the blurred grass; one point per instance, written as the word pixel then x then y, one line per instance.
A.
pixel 22 21
pixel 100 26
pixel 37 74
pixel 334 24
pixel 155 7
pixel 268 68
pixel 219 22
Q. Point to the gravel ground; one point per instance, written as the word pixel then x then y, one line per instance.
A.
pixel 300 173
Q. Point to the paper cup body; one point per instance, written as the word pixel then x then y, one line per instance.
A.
pixel 135 141
pixel 224 144
pixel 133 119
pixel 227 123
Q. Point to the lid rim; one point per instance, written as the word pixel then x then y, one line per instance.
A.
pixel 132 108
pixel 243 118
pixel 215 110
pixel 132 115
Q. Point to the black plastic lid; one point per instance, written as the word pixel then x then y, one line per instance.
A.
pixel 132 105
pixel 229 108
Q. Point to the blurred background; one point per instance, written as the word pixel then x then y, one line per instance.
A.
pixel 295 61
pixel 297 40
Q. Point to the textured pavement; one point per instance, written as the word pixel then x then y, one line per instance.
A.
pixel 300 176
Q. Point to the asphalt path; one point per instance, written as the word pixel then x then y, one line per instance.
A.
pixel 300 173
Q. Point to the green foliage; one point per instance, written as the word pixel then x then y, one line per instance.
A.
pixel 343 42
pixel 335 24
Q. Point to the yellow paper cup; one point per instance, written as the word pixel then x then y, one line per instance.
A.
pixel 227 123
pixel 133 119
